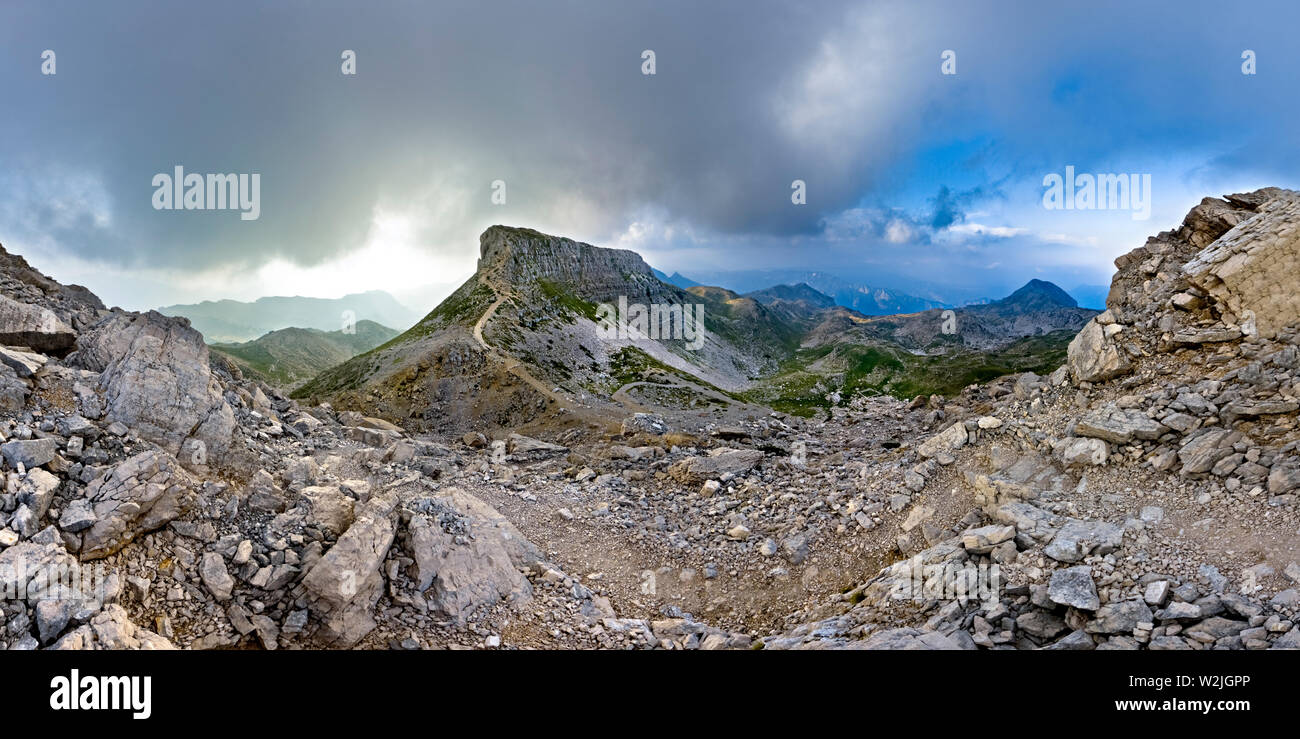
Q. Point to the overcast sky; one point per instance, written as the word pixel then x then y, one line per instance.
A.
pixel 917 180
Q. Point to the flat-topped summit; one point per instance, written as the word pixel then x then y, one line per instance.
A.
pixel 520 257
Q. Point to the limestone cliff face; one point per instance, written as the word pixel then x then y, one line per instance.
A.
pixel 519 257
pixel 1226 273
pixel 1251 269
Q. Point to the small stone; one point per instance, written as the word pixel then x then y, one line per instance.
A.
pixel 212 569
pixel 1074 587
pixel 1157 593
pixel 739 533
pixel 1152 514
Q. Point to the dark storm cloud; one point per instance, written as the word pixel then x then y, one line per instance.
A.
pixel 695 161
pixel 546 96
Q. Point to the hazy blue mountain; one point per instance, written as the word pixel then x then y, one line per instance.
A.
pixel 675 278
pixel 800 294
pixel 865 299
pixel 235 321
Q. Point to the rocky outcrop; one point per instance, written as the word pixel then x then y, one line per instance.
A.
pixel 1214 279
pixel 1248 274
pixel 155 379
pixel 72 307
pixel 112 628
pixel 522 256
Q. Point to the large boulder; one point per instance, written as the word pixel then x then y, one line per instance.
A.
pixel 1081 452
pixel 1120 618
pixel 525 447
pixel 23 324
pixel 156 379
pixel 328 508
pixel 467 556
pixel 718 463
pixel 1093 354
pixel 1077 539
pixel 142 493
pixel 344 584
pixel 1074 587
pixel 36 491
pixel 1118 425
pixel 908 639
pixel 24 364
pixel 29 452
pixel 949 440
pixel 1204 449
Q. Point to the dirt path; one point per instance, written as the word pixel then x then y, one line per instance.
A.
pixel 513 366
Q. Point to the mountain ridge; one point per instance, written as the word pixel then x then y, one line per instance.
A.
pixel 227 320
pixel 288 357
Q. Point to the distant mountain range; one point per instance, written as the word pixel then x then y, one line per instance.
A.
pixel 1036 309
pixel 290 356
pixel 675 278
pixel 526 334
pixel 802 296
pixel 865 299
pixel 235 321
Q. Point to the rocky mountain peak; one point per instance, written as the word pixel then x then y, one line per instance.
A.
pixel 1040 294
pixel 799 293
pixel 520 257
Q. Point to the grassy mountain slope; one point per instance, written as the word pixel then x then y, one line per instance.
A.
pixel 831 374
pixel 294 355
